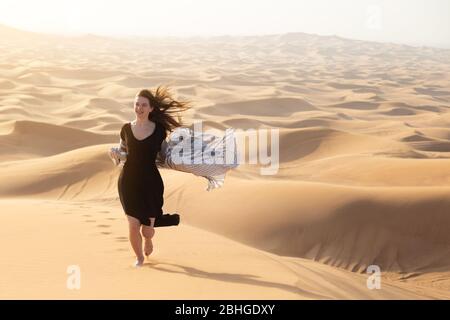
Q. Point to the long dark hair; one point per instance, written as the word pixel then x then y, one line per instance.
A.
pixel 165 107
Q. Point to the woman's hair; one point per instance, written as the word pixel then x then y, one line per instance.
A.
pixel 165 107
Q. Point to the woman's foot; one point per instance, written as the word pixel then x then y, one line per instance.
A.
pixel 148 247
pixel 139 262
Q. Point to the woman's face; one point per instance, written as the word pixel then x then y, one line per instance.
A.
pixel 142 107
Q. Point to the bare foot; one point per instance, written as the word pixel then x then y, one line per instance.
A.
pixel 148 247
pixel 139 262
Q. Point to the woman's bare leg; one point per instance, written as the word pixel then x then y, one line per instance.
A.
pixel 135 239
pixel 148 232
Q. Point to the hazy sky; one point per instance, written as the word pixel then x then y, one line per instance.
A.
pixel 419 22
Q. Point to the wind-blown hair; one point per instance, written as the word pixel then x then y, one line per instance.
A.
pixel 165 107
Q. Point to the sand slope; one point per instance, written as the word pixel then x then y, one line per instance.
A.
pixel 90 235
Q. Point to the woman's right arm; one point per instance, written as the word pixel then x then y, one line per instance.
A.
pixel 117 153
pixel 123 140
pixel 123 145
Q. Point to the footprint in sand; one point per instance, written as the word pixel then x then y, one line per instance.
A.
pixel 121 239
pixel 90 220
pixel 103 226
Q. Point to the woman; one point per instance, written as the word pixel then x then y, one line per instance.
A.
pixel 140 185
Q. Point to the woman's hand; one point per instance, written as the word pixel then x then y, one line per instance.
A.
pixel 113 154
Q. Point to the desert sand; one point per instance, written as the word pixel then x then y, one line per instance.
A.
pixel 364 176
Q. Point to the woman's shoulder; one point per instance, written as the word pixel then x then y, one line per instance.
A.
pixel 123 129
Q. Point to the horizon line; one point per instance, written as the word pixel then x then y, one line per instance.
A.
pixel 208 36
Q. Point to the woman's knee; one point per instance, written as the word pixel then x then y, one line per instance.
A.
pixel 134 224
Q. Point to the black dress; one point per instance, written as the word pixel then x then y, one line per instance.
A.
pixel 140 185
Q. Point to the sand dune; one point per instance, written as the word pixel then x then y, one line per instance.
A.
pixel 363 176
pixel 267 107
pixel 404 231
pixel 82 172
pixel 92 238
pixel 400 112
pixel 6 85
pixel 315 143
pixel 36 139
